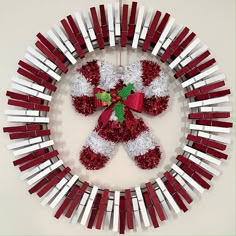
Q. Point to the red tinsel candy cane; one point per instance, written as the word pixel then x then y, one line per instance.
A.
pixel 147 78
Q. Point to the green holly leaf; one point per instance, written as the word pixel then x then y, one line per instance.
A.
pixel 105 97
pixel 119 111
pixel 126 91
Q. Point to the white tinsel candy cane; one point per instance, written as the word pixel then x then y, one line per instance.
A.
pixel 147 78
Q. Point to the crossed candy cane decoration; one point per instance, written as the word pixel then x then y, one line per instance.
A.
pixel 142 87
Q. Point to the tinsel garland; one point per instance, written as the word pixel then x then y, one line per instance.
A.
pixel 146 77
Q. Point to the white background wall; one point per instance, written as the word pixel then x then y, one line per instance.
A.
pixel 20 213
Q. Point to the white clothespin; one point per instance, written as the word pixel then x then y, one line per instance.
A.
pixel 61 46
pixel 146 24
pixel 200 76
pixel 80 208
pixel 138 27
pixel 204 165
pixel 63 192
pixel 194 55
pixel 28 119
pixel 142 207
pixel 54 191
pixel 186 187
pixel 185 52
pixel 172 36
pixel 108 214
pixel 209 128
pixel 117 19
pixel 31 92
pixel 84 32
pixel 212 109
pixel 168 195
pixel 42 58
pixel 187 178
pixel 111 25
pixel 214 137
pixel 35 170
pixel 202 155
pixel 28 84
pixel 24 143
pixel 164 204
pixel 43 67
pixel 209 81
pixel 163 36
pixel 89 26
pixel 89 205
pixel 136 213
pixel 22 112
pixel 209 102
pixel 64 38
pixel 33 148
pixel 116 212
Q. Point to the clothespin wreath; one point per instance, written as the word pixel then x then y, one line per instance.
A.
pixel 143 87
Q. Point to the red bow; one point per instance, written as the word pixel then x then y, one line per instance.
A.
pixel 134 101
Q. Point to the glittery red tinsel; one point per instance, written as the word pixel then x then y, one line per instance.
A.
pixel 155 106
pixel 119 132
pixel 91 72
pixel 84 104
pixel 92 160
pixel 149 160
pixel 150 70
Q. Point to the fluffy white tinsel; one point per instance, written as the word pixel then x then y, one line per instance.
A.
pixel 108 76
pixel 100 145
pixel 80 86
pixel 141 145
pixel 133 73
pixel 159 87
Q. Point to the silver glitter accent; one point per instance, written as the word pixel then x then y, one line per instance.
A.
pixel 100 145
pixel 80 86
pixel 159 87
pixel 141 145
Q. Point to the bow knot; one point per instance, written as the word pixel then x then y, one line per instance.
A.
pixel 120 102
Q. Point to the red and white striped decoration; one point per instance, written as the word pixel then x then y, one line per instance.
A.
pixel 67 42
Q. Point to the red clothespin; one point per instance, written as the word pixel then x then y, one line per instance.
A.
pixel 129 209
pixel 124 25
pixel 160 28
pixel 195 176
pixel 213 95
pixel 151 31
pixel 53 182
pixel 210 151
pixel 39 160
pixel 50 46
pixel 176 197
pixel 95 210
pixel 150 209
pixel 22 97
pixel 72 38
pixel 35 133
pixel 194 167
pixel 97 28
pixel 207 142
pixel 102 208
pixel 176 42
pixel 155 201
pixel 178 187
pixel 30 156
pixel 44 181
pixel 132 20
pixel 33 70
pixel 77 199
pixel 67 201
pixel 191 64
pixel 122 215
